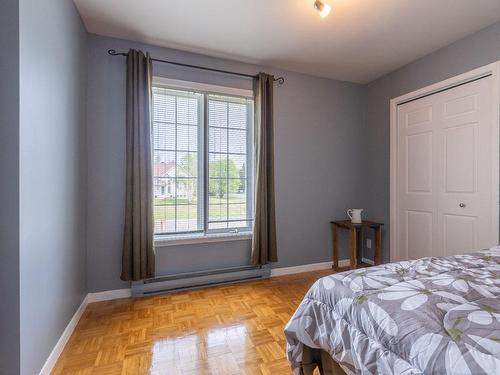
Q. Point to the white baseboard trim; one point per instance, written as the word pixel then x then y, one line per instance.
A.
pixel 61 343
pixel 368 261
pixel 306 268
pixel 108 295
pixel 68 331
pixel 344 263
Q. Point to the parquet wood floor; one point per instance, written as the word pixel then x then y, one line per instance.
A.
pixel 224 330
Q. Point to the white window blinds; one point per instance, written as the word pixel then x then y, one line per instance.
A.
pixel 229 152
pixel 202 151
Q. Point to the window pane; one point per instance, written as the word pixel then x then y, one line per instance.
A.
pixel 223 167
pixel 164 190
pixel 164 164
pixel 240 163
pixel 175 172
pixel 221 225
pixel 237 141
pixel 237 115
pixel 186 191
pixel 217 190
pixel 228 195
pixel 187 217
pixel 163 105
pixel 217 113
pixel 164 219
pixel 239 195
pixel 217 165
pixel 187 110
pixel 217 140
pixel 237 211
pixel 187 138
pixel 242 224
pixel 187 164
pixel 218 211
pixel 164 136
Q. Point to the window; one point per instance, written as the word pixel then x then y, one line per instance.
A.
pixel 202 155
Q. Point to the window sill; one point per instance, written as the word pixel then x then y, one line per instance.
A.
pixel 186 239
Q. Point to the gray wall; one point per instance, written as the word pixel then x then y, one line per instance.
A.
pixel 317 131
pixel 330 155
pixel 52 174
pixel 9 187
pixel 466 54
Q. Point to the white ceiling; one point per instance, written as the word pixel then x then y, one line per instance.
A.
pixel 361 39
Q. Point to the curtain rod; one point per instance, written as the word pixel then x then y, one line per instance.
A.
pixel 280 79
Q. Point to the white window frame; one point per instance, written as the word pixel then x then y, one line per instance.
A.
pixel 213 235
pixel 201 87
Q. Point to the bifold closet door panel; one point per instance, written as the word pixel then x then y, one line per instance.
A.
pixel 444 171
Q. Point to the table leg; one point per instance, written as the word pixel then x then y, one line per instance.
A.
pixel 335 244
pixel 378 246
pixel 359 246
pixel 352 247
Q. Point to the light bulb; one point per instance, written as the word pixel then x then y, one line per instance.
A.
pixel 326 11
pixel 323 8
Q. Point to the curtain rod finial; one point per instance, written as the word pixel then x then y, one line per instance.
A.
pixel 113 52
pixel 280 80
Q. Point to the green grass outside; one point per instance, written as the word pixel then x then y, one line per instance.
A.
pixel 233 198
pixel 165 209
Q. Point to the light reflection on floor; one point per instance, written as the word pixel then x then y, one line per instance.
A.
pixel 209 346
pixel 225 330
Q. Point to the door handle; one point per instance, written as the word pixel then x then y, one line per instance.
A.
pixel 461 205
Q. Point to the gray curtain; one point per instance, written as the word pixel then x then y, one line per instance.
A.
pixel 138 258
pixel 264 247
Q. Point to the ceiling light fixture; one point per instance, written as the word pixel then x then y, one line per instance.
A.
pixel 323 8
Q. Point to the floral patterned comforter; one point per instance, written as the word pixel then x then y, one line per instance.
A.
pixel 431 315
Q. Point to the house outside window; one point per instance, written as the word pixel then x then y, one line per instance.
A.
pixel 202 158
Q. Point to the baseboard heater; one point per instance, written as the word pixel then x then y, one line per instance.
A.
pixel 194 280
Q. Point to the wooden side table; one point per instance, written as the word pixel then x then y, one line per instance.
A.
pixel 354 241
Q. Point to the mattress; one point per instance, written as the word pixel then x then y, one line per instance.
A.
pixel 435 315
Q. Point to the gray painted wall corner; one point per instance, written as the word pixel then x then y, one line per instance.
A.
pixel 52 174
pixel 9 188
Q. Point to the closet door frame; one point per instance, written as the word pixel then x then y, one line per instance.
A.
pixel 492 70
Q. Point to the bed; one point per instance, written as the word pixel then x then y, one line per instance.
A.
pixel 435 315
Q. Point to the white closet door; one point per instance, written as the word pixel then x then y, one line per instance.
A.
pixel 445 153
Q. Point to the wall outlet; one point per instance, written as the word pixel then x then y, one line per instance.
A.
pixel 368 243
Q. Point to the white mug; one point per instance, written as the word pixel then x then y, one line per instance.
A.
pixel 355 215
